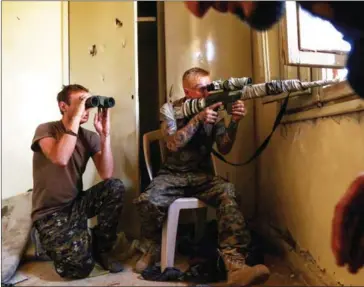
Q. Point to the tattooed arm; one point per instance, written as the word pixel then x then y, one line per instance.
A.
pixel 176 139
pixel 225 137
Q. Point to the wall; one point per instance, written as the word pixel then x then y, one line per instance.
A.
pixel 111 72
pixel 220 44
pixel 1 94
pixel 33 71
pixel 304 171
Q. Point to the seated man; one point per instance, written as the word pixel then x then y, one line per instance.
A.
pixel 187 172
pixel 60 207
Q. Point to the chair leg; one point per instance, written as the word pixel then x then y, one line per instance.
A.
pixel 201 217
pixel 169 235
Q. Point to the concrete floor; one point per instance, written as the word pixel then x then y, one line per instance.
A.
pixel 43 274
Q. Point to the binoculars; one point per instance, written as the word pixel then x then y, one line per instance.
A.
pixel 99 102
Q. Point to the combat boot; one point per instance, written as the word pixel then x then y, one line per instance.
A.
pixel 239 273
pixel 148 259
pixel 108 262
pixel 106 257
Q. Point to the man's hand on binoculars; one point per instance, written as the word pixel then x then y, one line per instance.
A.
pixel 102 122
pixel 77 106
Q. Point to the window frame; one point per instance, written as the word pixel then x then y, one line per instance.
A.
pixel 316 102
pixel 294 55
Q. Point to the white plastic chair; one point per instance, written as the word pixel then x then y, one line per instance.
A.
pixel 169 232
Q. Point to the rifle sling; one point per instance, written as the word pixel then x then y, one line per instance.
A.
pixel 263 146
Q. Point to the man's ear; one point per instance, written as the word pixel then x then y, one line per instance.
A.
pixel 62 107
pixel 186 91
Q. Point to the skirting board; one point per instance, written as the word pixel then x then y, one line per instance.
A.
pixel 298 259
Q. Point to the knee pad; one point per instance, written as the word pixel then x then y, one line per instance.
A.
pixel 115 186
pixel 114 182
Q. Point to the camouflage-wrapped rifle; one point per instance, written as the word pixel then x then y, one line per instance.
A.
pixel 229 91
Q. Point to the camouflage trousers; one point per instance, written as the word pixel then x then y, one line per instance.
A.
pixel 168 186
pixel 64 234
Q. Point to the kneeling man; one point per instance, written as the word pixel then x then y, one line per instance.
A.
pixel 60 206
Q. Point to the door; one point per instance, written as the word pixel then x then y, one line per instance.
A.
pixel 103 58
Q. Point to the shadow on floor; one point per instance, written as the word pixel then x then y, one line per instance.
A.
pixel 43 274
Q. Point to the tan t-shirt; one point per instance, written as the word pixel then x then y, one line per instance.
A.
pixel 55 187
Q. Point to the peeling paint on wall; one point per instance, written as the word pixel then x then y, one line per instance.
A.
pixel 170 94
pixel 118 23
pixel 93 50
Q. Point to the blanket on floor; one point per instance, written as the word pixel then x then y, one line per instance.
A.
pixel 15 226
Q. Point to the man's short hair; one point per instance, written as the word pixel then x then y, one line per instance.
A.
pixel 195 71
pixel 64 94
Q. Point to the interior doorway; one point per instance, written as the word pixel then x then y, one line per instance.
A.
pixel 149 80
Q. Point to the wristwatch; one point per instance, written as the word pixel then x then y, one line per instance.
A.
pixel 70 132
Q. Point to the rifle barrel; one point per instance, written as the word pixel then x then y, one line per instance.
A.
pixel 279 87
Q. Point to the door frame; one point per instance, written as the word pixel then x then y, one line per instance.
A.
pixel 65 42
